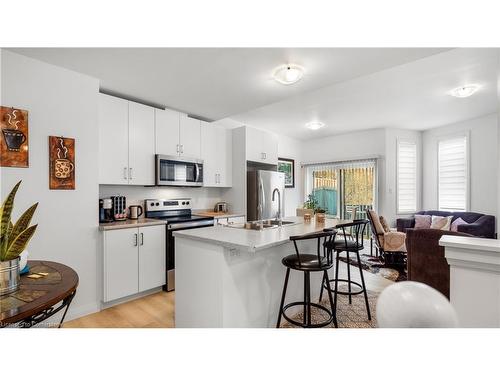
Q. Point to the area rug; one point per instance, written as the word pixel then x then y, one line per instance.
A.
pixel 375 265
pixel 348 316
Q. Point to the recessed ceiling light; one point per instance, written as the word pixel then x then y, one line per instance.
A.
pixel 464 91
pixel 288 73
pixel 315 125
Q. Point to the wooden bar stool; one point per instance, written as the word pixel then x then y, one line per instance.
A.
pixel 354 245
pixel 307 263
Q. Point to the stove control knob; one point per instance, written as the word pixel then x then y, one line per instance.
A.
pixel 152 204
pixel 157 204
pixel 187 202
pixel 183 203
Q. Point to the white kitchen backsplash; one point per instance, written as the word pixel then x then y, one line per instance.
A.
pixel 202 198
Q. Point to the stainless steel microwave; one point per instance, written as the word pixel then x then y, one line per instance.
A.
pixel 178 171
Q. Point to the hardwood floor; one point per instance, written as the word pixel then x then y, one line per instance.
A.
pixel 153 311
pixel 157 310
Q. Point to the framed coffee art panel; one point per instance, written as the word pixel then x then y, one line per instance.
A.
pixel 61 163
pixel 287 166
pixel 14 150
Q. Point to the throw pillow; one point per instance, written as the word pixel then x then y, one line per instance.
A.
pixel 384 224
pixel 441 222
pixel 456 223
pixel 422 221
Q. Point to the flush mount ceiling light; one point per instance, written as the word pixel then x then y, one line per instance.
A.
pixel 315 125
pixel 464 91
pixel 288 73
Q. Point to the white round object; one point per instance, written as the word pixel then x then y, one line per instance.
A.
pixel 410 304
pixel 24 260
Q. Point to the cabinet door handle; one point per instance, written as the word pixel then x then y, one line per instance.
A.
pixel 124 173
pixel 178 151
pixel 142 238
pixel 265 155
pixel 182 149
pixel 130 173
pixel 135 239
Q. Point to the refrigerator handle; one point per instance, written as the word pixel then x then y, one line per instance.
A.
pixel 262 200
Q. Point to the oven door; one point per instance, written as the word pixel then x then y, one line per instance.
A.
pixel 175 171
pixel 171 247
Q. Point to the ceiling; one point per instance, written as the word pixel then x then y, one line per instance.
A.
pixel 409 96
pixel 214 83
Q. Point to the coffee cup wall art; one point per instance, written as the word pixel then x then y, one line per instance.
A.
pixel 14 150
pixel 61 163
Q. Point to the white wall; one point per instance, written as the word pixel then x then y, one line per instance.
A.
pixel 291 148
pixel 59 102
pixel 389 190
pixel 483 168
pixel 345 146
pixel 202 198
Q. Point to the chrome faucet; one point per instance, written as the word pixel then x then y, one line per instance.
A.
pixel 278 215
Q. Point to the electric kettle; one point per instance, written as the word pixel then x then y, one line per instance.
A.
pixel 135 212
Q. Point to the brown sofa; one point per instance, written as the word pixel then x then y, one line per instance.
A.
pixel 426 261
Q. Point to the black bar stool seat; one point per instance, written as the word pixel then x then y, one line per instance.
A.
pixel 342 245
pixel 308 263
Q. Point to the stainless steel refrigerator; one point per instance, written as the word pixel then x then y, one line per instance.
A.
pixel 260 187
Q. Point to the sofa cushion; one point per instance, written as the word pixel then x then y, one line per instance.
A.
pixel 422 221
pixel 469 217
pixel 441 222
pixel 456 223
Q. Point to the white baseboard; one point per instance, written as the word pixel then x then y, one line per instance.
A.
pixel 106 305
pixel 81 311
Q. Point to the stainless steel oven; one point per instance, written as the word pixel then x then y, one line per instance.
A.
pixel 178 171
pixel 178 214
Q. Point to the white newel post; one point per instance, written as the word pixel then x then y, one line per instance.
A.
pixel 474 279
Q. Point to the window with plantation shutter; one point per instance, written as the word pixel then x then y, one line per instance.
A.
pixel 407 177
pixel 453 174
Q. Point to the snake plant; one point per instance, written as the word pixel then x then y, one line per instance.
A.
pixel 14 237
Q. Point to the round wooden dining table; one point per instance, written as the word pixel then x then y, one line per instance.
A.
pixel 48 288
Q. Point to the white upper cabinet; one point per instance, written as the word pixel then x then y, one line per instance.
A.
pixel 209 154
pixel 224 160
pixel 261 146
pixel 113 140
pixel 216 152
pixel 190 137
pixel 141 144
pixel 126 142
pixel 167 132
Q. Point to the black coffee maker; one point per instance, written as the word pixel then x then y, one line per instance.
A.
pixel 105 210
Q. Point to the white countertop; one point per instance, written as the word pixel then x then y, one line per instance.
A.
pixel 216 215
pixel 255 240
pixel 475 243
pixel 142 222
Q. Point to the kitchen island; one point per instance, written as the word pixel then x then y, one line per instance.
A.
pixel 233 277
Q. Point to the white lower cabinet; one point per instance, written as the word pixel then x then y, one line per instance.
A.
pixel 152 257
pixel 134 260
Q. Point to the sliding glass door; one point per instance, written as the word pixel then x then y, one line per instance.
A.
pixel 343 188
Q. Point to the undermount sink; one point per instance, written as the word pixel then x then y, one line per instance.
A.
pixel 276 222
pixel 257 225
